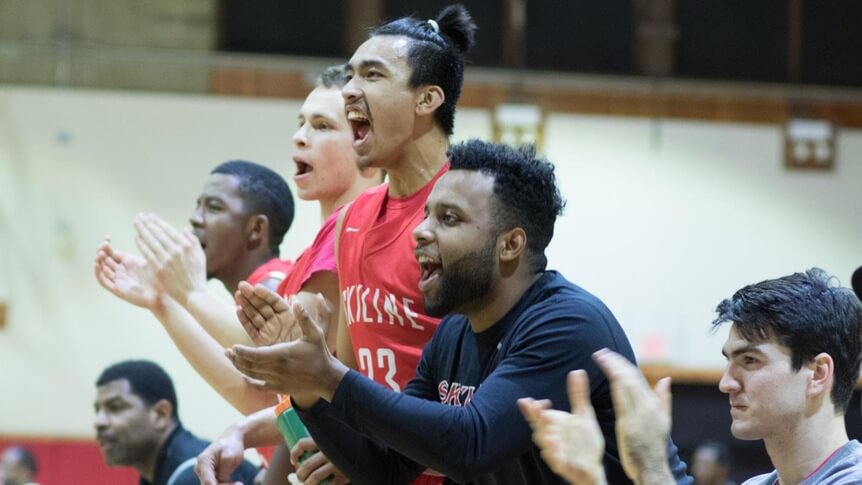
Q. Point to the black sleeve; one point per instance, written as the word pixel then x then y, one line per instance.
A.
pixel 465 442
pixel 363 460
pixel 401 431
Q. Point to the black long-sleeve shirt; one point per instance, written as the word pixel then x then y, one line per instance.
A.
pixel 459 416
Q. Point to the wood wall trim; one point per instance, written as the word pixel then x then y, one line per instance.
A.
pixel 688 375
pixel 596 96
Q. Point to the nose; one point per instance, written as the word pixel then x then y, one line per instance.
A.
pixel 728 384
pixel 300 138
pixel 100 420
pixel 350 92
pixel 197 219
pixel 422 234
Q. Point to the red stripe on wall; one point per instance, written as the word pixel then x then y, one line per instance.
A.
pixel 64 461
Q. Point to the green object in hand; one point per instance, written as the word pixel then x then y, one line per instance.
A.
pixel 292 430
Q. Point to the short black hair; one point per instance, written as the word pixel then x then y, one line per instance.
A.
pixel 25 458
pixel 808 314
pixel 148 381
pixel 437 58
pixel 263 192
pixel 525 189
pixel 333 77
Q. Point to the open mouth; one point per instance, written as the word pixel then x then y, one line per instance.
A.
pixel 302 168
pixel 429 271
pixel 105 442
pixel 360 125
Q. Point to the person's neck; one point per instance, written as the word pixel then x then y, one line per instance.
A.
pixel 501 298
pixel 360 185
pixel 147 469
pixel 801 449
pixel 243 269
pixel 419 162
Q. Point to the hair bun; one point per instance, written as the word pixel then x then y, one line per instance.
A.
pixel 456 23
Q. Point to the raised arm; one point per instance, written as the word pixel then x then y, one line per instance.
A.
pixel 129 278
pixel 207 357
pixel 179 265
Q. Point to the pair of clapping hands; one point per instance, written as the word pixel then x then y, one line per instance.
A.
pixel 173 265
pixel 572 443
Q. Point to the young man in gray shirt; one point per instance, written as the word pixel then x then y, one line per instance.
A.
pixel 793 356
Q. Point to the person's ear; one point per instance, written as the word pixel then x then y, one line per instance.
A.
pixel 162 414
pixel 257 230
pixel 822 374
pixel 429 99
pixel 512 244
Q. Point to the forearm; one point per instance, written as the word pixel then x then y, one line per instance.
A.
pixel 217 317
pixel 259 429
pixel 459 442
pixel 207 358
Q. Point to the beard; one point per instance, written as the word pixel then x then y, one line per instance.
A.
pixel 462 282
pixel 130 454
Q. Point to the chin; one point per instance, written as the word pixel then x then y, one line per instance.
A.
pixel 742 432
pixel 115 461
pixel 436 308
pixel 364 161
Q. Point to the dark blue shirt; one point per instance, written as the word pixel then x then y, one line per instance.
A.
pixel 459 414
pixel 181 446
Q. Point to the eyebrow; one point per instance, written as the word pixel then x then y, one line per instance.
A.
pixel 207 197
pixel 112 400
pixel 743 350
pixel 317 116
pixel 444 205
pixel 367 63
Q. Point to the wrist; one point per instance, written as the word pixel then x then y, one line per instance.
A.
pixel 164 306
pixel 196 298
pixel 159 307
pixel 237 431
pixel 596 476
pixel 332 379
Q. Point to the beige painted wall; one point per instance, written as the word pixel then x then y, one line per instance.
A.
pixel 664 219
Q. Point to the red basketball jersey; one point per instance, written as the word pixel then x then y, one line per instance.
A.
pixel 379 280
pixel 275 269
pixel 320 256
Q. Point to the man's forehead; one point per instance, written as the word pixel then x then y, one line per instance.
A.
pixel 457 187
pixel 326 102
pixel 221 184
pixel 121 388
pixel 385 50
pixel 736 342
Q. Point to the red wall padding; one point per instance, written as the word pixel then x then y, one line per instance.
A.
pixel 65 461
